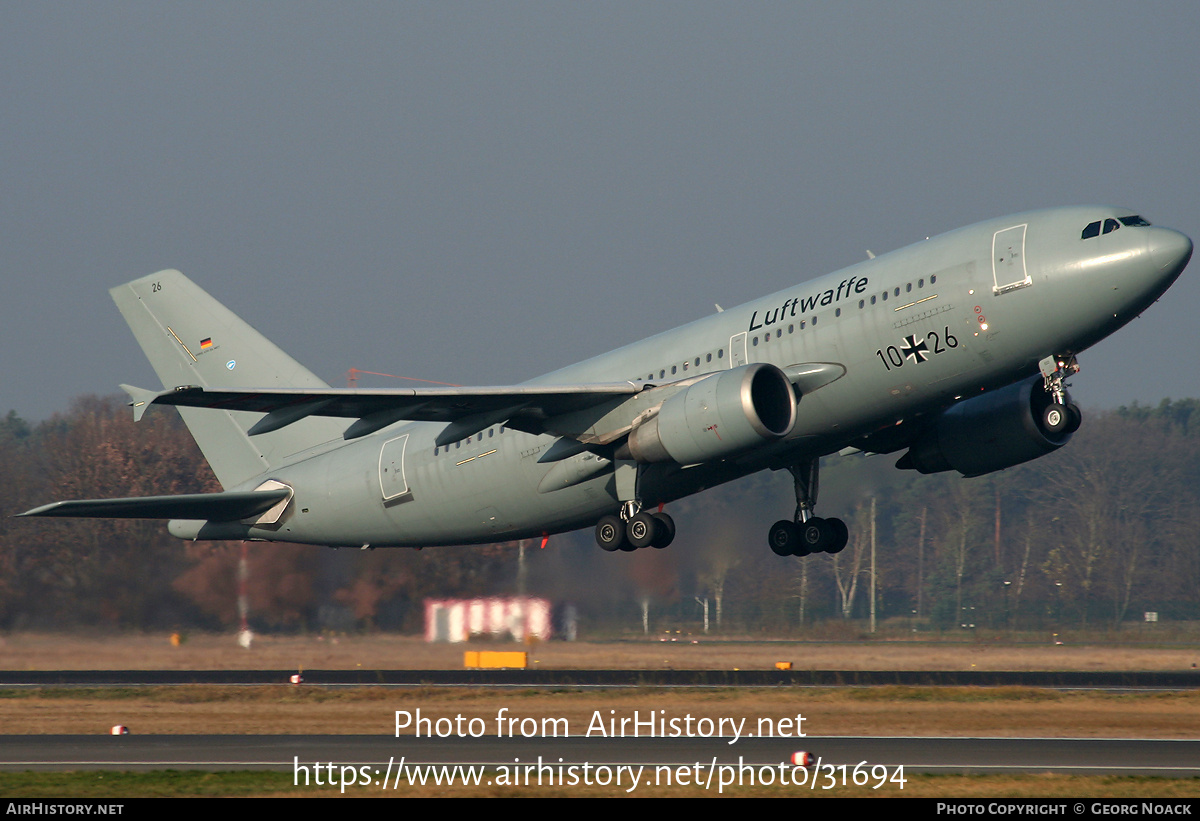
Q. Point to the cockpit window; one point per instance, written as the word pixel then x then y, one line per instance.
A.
pixel 1109 225
pixel 1134 220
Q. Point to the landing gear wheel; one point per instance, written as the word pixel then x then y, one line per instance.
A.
pixel 664 534
pixel 641 530
pixel 841 535
pixel 815 535
pixel 1074 418
pixel 1055 419
pixel 784 538
pixel 610 533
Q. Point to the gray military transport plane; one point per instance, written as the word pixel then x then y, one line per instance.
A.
pixel 954 350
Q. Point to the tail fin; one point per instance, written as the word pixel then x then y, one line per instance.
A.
pixel 191 339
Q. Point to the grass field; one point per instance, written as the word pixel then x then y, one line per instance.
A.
pixel 32 651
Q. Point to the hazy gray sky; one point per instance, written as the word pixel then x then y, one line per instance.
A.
pixel 481 192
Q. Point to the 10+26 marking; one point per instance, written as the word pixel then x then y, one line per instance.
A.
pixel 918 350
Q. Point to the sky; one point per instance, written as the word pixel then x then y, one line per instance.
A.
pixel 478 193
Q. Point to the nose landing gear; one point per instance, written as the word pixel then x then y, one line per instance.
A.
pixel 1061 416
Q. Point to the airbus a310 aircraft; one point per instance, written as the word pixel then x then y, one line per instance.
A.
pixel 954 350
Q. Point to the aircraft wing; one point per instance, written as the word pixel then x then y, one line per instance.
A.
pixel 216 507
pixel 468 410
pixel 520 406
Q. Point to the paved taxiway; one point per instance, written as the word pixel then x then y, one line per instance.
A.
pixel 1169 758
pixel 1178 680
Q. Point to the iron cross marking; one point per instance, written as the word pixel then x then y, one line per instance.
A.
pixel 912 348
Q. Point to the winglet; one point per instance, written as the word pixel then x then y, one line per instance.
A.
pixel 140 399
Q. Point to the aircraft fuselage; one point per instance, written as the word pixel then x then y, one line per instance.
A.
pixel 915 330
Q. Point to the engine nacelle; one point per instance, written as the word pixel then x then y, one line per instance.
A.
pixel 718 416
pixel 988 432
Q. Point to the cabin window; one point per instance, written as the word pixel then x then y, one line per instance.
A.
pixel 1111 225
pixel 1092 230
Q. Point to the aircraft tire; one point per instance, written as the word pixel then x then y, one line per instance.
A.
pixel 665 533
pixel 784 538
pixel 610 533
pixel 1075 418
pixel 1055 419
pixel 641 530
pixel 815 536
pixel 841 535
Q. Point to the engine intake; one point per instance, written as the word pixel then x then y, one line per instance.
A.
pixel 718 416
pixel 989 432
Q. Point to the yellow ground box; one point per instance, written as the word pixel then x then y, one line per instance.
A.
pixel 495 658
pixel 783 665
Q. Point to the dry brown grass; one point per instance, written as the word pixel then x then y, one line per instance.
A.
pixel 33 651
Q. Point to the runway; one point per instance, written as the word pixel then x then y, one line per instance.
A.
pixel 1080 756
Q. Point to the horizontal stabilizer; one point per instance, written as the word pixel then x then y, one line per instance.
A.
pixel 215 507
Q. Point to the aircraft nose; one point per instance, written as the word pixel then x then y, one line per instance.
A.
pixel 1170 250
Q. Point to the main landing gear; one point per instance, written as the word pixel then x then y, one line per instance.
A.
pixel 1061 416
pixel 807 533
pixel 634 528
pixel 641 530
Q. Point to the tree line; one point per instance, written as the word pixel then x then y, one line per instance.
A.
pixel 1091 536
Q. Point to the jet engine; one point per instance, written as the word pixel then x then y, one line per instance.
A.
pixel 990 432
pixel 718 416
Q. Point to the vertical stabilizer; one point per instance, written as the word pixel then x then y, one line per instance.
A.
pixel 191 339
